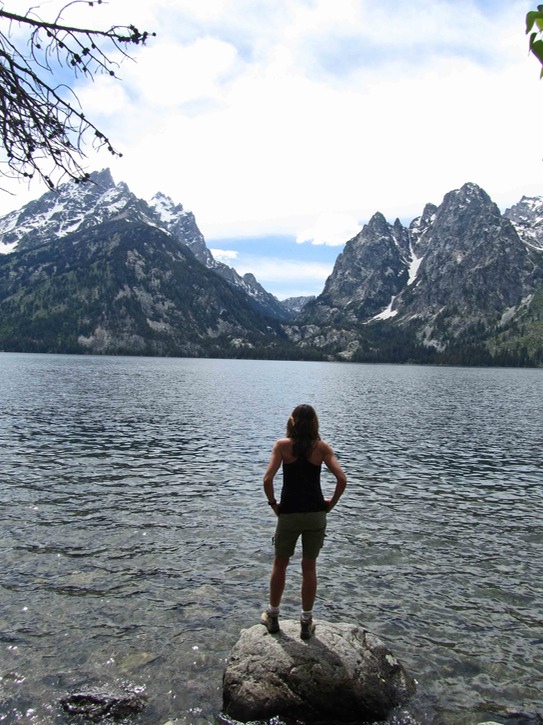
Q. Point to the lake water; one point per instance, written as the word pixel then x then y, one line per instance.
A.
pixel 136 540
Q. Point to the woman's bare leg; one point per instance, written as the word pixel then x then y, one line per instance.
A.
pixel 277 580
pixel 309 583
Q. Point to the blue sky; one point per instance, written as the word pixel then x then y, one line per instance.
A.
pixel 281 265
pixel 284 125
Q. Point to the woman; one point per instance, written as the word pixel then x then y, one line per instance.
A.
pixel 301 511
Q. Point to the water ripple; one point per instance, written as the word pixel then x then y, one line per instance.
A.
pixel 137 542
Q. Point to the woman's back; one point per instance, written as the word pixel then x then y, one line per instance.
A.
pixel 318 450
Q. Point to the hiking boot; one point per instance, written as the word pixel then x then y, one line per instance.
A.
pixel 271 622
pixel 306 628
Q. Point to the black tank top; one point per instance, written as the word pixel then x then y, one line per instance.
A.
pixel 301 492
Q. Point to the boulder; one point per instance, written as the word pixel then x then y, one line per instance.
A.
pixel 343 673
pixel 98 705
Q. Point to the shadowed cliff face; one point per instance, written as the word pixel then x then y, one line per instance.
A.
pixel 460 270
pixel 123 288
pixel 371 270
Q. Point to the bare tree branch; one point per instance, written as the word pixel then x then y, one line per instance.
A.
pixel 42 124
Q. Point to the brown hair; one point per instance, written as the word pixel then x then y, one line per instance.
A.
pixel 303 430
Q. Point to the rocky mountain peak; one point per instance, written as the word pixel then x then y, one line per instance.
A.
pixel 527 218
pixel 461 277
pixel 173 218
pixel 469 247
pixel 77 207
pixel 70 208
pixel 378 224
pixel 368 274
pixel 469 196
pixel 296 304
pixel 459 272
pixel 103 178
pixel 418 228
pixel 528 208
pixel 165 207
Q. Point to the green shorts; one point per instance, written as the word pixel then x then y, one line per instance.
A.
pixel 310 526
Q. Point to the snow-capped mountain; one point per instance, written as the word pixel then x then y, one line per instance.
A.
pixel 527 218
pixel 73 208
pixel 126 287
pixel 95 269
pixel 78 207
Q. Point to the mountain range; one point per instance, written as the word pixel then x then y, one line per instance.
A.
pixel 91 268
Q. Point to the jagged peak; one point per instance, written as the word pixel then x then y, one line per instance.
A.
pixel 527 204
pixel 162 198
pixel 459 201
pixel 378 218
pixel 99 182
pixel 102 178
pixel 165 201
pixel 429 211
pixel 467 192
pixel 166 208
pixel 426 218
pixel 378 222
pixel 470 186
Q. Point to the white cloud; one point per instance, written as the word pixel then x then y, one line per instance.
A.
pixel 271 117
pixel 105 97
pixel 168 75
pixel 270 269
pixel 330 229
pixel 224 255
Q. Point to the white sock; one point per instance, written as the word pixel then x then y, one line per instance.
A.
pixel 273 611
pixel 307 615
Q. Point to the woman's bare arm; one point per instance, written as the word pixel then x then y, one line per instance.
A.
pixel 273 466
pixel 333 465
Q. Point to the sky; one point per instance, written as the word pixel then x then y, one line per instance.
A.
pixel 284 125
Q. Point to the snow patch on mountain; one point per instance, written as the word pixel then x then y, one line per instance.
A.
pixel 166 209
pixel 7 248
pixel 527 218
pixel 76 207
pixel 387 313
pixel 414 265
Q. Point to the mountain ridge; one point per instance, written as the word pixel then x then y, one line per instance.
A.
pixel 461 284
pixel 76 207
pixel 123 287
pixel 459 272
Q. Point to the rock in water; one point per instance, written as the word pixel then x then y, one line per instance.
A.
pixel 96 706
pixel 343 673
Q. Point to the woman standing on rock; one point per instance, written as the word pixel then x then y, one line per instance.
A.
pixel 301 511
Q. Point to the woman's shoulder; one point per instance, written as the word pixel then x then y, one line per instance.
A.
pixel 283 448
pixel 283 444
pixel 323 447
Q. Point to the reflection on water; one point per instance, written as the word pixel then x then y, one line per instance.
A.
pixel 136 540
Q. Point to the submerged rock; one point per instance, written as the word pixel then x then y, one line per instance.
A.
pixel 343 673
pixel 97 705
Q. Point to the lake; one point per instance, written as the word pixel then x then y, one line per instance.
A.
pixel 136 539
